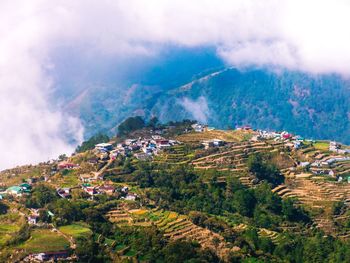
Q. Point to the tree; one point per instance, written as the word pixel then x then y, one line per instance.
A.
pixel 131 124
pixel 62 157
pixel 263 169
pixel 41 196
pixel 153 122
pixel 293 213
pixel 86 249
pixel 90 144
pixel 179 251
pixel 3 208
pixel 66 211
pixel 244 202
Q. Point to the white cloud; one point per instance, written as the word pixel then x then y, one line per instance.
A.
pixel 31 130
pixel 198 108
pixel 308 35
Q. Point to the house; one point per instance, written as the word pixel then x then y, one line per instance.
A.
pixel 91 190
pixel 255 138
pixel 33 219
pixel 130 197
pixel 297 144
pixel 15 190
pixel 208 144
pixel 130 141
pixel 286 135
pixel 92 161
pixel 198 127
pixel 266 134
pixel 50 213
pixel 322 171
pixel 64 192
pixel 304 164
pixel 107 189
pixel 54 256
pixel 125 189
pixel 104 156
pixel 298 138
pixel 142 156
pixel 26 187
pixel 218 142
pixel 87 178
pixel 247 128
pixel 158 131
pixel 162 143
pixel 316 164
pixel 114 154
pixel 213 143
pixel 66 165
pixel 334 146
pixel 104 147
pixel 32 180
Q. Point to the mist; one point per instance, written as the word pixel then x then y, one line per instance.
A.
pixel 311 36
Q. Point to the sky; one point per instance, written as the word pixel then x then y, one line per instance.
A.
pixel 311 36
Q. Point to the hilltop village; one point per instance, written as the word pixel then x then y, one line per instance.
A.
pixel 218 195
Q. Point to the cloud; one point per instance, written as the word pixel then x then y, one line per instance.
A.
pixel 311 36
pixel 31 129
pixel 197 108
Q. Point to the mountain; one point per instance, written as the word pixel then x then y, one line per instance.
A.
pixel 314 106
pixel 208 196
pixel 195 84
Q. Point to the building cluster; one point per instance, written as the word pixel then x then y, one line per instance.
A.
pixel 141 148
pixel 337 147
pixel 213 143
pixel 290 140
pixel 53 256
pixel 121 192
pixel 197 127
pixel 325 167
pixel 16 190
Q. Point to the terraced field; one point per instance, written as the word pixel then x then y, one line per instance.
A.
pixel 316 194
pixel 9 226
pixel 275 237
pixel 76 230
pixel 120 217
pixel 228 136
pixel 235 159
pixel 174 155
pixel 174 227
pixel 42 240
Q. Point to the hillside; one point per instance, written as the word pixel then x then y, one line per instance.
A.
pixel 215 195
pixel 293 101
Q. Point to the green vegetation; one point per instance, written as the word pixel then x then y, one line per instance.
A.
pixel 90 144
pixel 76 230
pixel 41 196
pixel 234 203
pixel 6 232
pixel 263 169
pixel 131 124
pixel 44 240
pixel 321 145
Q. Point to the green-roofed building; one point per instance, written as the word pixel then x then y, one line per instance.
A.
pixel 15 190
pixel 26 186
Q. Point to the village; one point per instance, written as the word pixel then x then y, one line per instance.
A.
pixel 309 158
